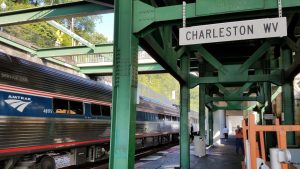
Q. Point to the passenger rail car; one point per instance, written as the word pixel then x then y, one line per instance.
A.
pixel 51 119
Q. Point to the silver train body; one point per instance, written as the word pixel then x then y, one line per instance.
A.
pixel 48 115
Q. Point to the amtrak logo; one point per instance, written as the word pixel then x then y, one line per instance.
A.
pixel 18 102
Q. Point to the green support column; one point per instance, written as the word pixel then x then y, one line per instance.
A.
pixel 210 127
pixel 122 145
pixel 269 136
pixel 288 97
pixel 202 110
pixel 184 120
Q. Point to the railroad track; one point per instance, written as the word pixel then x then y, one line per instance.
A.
pixel 103 164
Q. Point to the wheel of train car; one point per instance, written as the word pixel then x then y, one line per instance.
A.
pixel 47 162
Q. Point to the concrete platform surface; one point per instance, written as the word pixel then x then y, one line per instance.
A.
pixel 218 157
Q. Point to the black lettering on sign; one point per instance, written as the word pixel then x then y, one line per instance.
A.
pixel 268 27
pixel 275 27
pixel 250 29
pixel 214 34
pixel 194 35
pixel 228 30
pixel 221 32
pixel 208 32
pixel 201 36
pixel 242 30
pixel 186 35
pixel 235 27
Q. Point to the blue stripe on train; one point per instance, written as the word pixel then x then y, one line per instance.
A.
pixel 16 104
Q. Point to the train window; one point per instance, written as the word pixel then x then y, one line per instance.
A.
pixel 155 117
pixel 76 107
pixel 174 118
pixel 168 118
pixel 60 106
pixel 152 117
pixel 139 116
pixel 161 117
pixel 105 110
pixel 96 110
pixel 148 117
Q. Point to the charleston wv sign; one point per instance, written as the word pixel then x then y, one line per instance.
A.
pixel 232 31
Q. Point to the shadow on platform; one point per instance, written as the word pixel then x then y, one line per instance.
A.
pixel 218 157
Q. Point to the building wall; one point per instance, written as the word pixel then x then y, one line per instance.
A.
pixel 232 122
pixel 219 124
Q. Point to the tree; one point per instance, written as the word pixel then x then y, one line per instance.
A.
pixel 43 35
pixel 164 84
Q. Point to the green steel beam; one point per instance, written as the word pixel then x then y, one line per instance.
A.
pixel 211 59
pixel 225 72
pixel 184 120
pixel 269 137
pixel 274 95
pixel 231 98
pixel 145 14
pixel 180 52
pixel 70 33
pixel 288 97
pixel 79 50
pixel 222 89
pixel 202 110
pixel 123 122
pixel 292 70
pixel 17 45
pixel 76 9
pixel 268 97
pixel 150 67
pixel 231 105
pixel 250 108
pixel 275 78
pixel 167 58
pixel 245 87
pixel 34 52
pixel 75 50
pixel 108 69
pixel 233 95
pixel 256 55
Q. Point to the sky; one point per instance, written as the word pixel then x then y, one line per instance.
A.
pixel 106 27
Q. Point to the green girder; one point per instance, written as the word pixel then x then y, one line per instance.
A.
pixel 108 69
pixel 145 15
pixel 184 119
pixel 74 50
pixel 124 98
pixel 81 8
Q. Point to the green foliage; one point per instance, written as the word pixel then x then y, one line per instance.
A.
pixel 164 84
pixel 44 35
pixel 94 37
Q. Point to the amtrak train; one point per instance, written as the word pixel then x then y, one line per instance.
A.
pixel 51 119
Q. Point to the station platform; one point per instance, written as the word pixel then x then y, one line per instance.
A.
pixel 222 156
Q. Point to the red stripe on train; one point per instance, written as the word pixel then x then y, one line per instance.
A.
pixel 62 145
pixel 53 146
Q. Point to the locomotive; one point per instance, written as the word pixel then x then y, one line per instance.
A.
pixel 51 119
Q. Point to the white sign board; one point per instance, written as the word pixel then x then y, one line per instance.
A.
pixel 269 116
pixel 232 31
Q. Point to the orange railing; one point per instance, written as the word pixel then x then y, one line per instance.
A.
pixel 253 129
